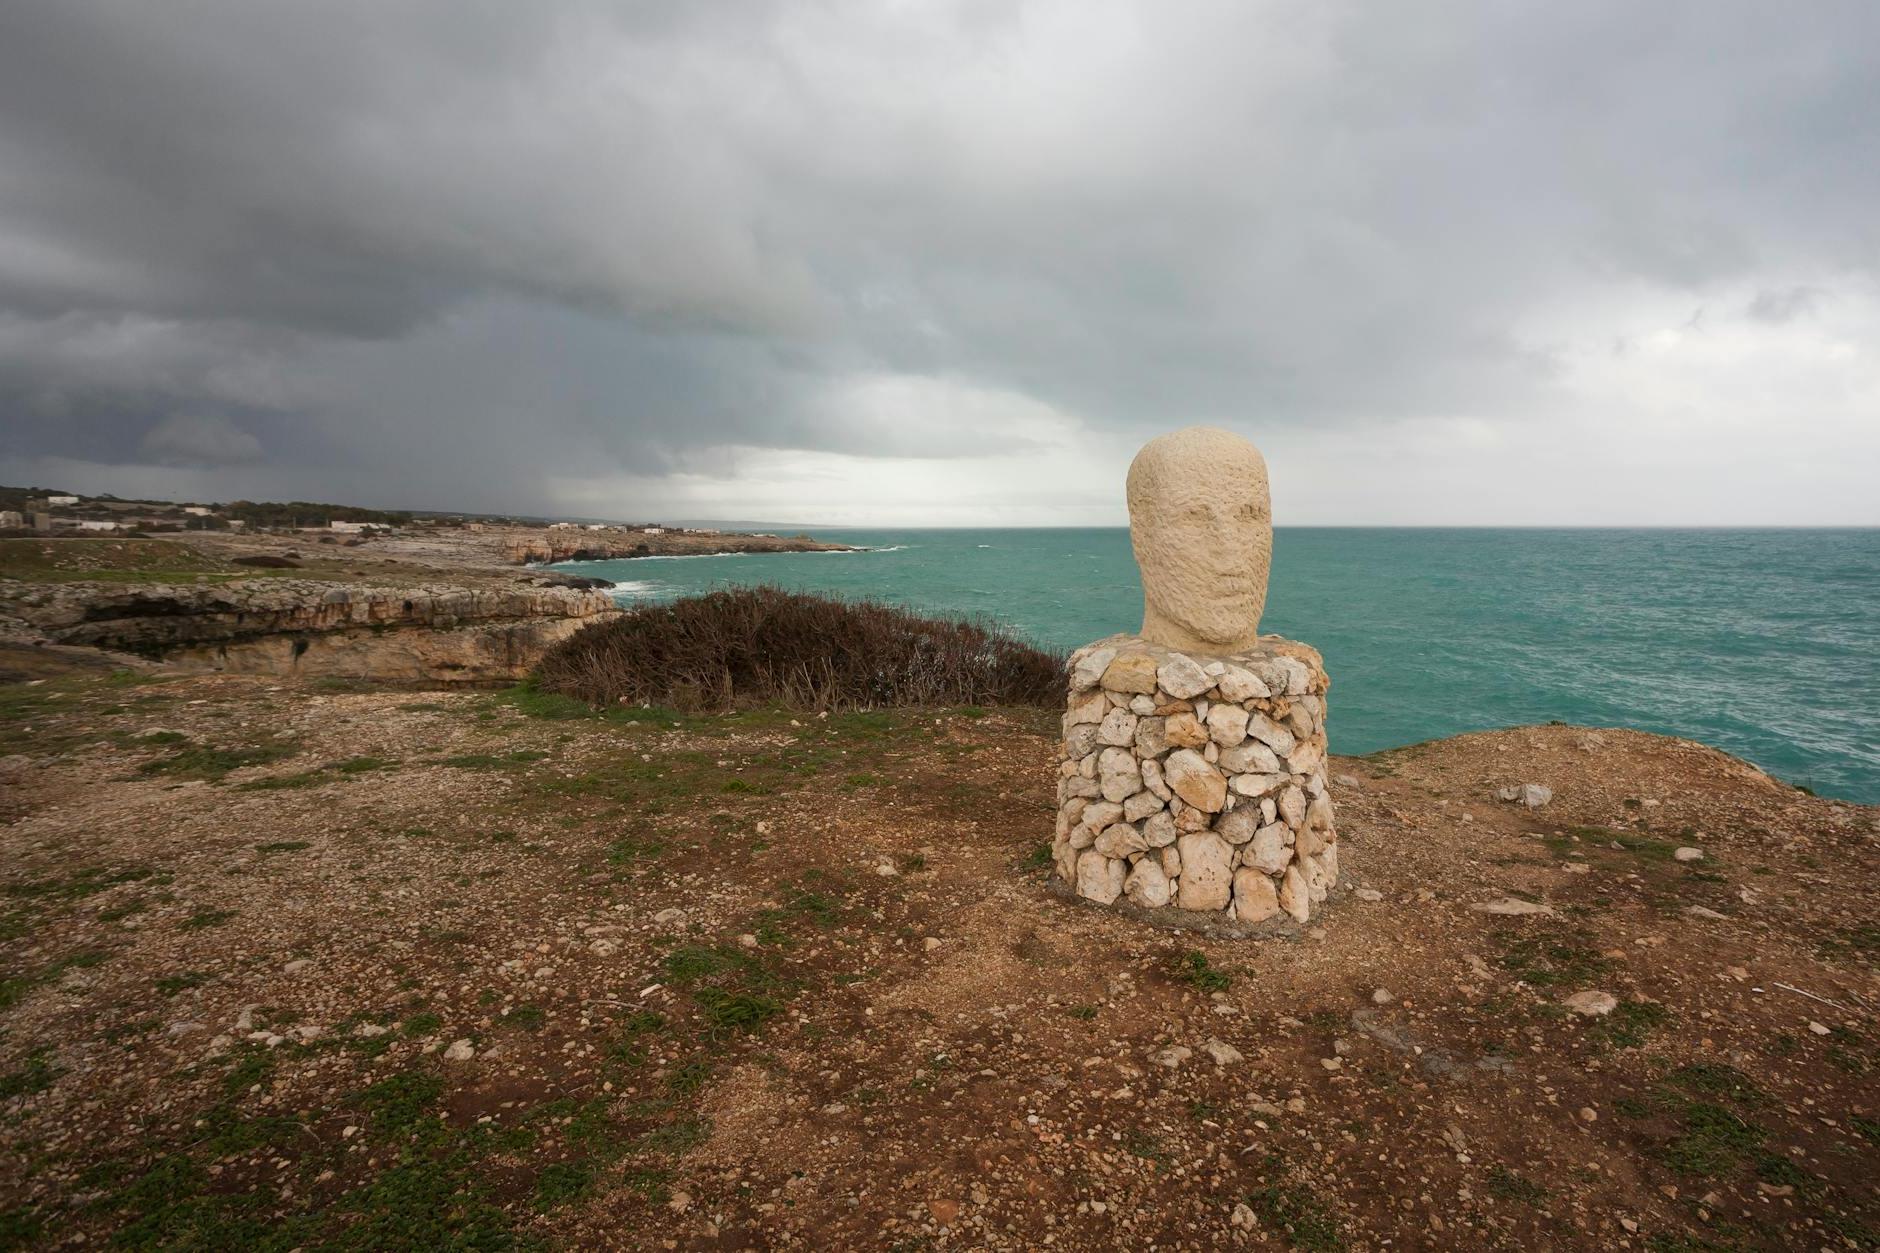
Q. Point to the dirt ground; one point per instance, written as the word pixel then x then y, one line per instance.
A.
pixel 296 966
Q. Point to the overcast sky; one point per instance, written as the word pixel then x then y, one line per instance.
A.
pixel 900 263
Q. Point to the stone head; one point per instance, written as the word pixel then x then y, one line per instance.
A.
pixel 1201 524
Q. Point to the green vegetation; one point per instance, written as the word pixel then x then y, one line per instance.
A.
pixel 212 764
pixel 1548 961
pixel 36 1075
pixel 1506 1185
pixel 69 560
pixel 1194 968
pixel 1298 1213
pixel 1629 1024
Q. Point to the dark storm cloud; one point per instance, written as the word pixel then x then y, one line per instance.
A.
pixel 463 249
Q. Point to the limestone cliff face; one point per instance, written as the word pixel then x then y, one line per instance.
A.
pixel 291 626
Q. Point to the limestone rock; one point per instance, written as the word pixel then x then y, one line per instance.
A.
pixel 1131 672
pixel 1152 776
pixel 1227 725
pixel 1511 906
pixel 1207 871
pixel 1249 757
pixel 1182 678
pixel 1099 878
pixel 1151 737
pixel 1184 730
pixel 1194 780
pixel 1087 667
pixel 1319 813
pixel 1118 728
pixel 1271 733
pixel 1591 1004
pixel 1292 807
pixel 1295 897
pixel 1268 852
pixel 1118 774
pixel 1101 814
pixel 1532 795
pixel 1237 683
pixel 1088 708
pixel 1141 806
pixel 1080 741
pixel 1238 827
pixel 1120 839
pixel 1159 830
pixel 1148 884
pixel 1258 784
pixel 1255 898
pixel 1221 1052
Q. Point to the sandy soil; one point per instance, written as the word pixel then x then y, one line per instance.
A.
pixel 297 966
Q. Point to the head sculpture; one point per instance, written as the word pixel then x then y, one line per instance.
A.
pixel 1201 524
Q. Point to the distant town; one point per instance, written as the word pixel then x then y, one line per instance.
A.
pixel 43 512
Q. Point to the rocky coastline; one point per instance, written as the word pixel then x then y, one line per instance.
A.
pixel 416 605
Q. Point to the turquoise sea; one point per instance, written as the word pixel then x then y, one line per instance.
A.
pixel 1765 643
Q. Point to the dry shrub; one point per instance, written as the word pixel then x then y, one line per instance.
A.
pixel 764 645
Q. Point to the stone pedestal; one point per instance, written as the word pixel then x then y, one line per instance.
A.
pixel 1197 784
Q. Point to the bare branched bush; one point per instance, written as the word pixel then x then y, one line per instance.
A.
pixel 764 645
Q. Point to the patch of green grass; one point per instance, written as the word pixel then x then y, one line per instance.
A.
pixel 80 884
pixel 13 988
pixel 21 1228
pixel 1714 1079
pixel 252 1066
pixel 1505 1185
pixel 1549 961
pixel 1039 857
pixel 1298 1213
pixel 170 985
pixel 1710 1140
pixel 283 846
pixel 1140 1143
pixel 1194 968
pixel 37 1075
pixel 1629 1025
pixel 402 1101
pixel 212 764
pixel 527 1017
pixel 1083 1013
pixel 735 1011
pixel 204 919
pixel 560 1183
pixel 1867 1128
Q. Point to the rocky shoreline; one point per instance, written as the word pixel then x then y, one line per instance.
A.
pixel 420 605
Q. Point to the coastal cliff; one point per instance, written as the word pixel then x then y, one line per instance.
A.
pixel 437 633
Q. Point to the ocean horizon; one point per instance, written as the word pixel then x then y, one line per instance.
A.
pixel 1762 641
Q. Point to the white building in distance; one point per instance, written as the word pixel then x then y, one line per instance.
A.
pixel 61 500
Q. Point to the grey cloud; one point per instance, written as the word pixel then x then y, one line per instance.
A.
pixel 189 439
pixel 466 247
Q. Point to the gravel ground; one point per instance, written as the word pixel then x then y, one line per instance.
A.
pixel 295 966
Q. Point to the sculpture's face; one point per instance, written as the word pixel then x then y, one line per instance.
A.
pixel 1201 524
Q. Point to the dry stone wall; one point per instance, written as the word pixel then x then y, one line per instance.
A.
pixel 1197 783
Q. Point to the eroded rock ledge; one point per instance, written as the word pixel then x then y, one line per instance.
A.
pixel 428 632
